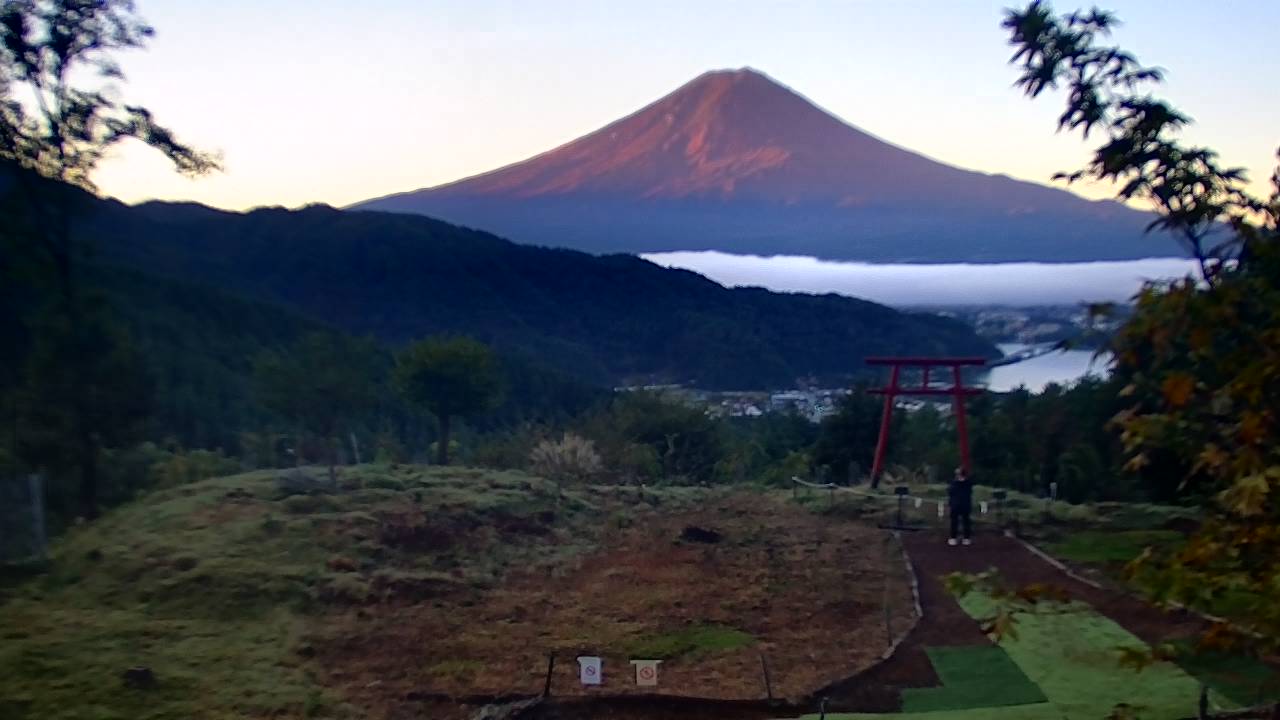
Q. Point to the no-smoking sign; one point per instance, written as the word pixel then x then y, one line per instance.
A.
pixel 589 670
pixel 646 672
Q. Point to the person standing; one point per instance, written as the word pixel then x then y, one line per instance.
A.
pixel 960 498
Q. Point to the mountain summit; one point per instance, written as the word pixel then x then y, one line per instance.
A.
pixel 734 161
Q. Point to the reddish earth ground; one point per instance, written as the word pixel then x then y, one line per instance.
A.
pixel 945 623
pixel 810 589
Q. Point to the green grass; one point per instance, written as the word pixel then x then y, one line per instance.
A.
pixel 1028 511
pixel 972 677
pixel 1243 680
pixel 1106 547
pixel 691 641
pixel 1111 549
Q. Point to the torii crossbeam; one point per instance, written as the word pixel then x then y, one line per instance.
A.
pixel 957 391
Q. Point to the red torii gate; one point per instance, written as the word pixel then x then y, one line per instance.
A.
pixel 958 391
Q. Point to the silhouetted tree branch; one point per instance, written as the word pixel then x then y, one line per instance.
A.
pixel 1197 199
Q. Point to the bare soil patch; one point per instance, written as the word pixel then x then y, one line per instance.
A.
pixel 804 592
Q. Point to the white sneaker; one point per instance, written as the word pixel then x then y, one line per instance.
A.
pixel 952 542
pixel 966 541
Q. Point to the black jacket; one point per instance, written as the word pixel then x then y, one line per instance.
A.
pixel 960 494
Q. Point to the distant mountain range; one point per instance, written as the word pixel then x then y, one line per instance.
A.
pixel 736 162
pixel 608 320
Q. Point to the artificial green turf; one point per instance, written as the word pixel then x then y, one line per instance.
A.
pixel 972 677
pixel 1072 654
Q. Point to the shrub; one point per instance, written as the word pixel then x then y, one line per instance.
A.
pixel 571 459
pixel 638 464
pixel 184 468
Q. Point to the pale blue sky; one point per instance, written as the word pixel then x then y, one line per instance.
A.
pixel 328 101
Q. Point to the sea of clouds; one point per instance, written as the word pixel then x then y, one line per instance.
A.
pixel 1014 284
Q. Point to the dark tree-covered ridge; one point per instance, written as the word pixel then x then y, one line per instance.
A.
pixel 611 319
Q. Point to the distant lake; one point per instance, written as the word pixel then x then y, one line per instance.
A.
pixel 1035 374
pixel 904 285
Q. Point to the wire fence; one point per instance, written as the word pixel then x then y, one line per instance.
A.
pixel 22 519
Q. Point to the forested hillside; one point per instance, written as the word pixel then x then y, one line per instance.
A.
pixel 201 343
pixel 610 320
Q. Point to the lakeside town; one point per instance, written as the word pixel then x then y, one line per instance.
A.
pixel 1036 325
pixel 1033 327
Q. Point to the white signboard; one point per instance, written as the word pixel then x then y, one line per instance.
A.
pixel 939 509
pixel 589 670
pixel 982 507
pixel 919 502
pixel 646 672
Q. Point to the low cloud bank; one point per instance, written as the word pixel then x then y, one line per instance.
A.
pixel 1023 283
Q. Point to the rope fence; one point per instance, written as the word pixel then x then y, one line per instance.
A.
pixel 931 511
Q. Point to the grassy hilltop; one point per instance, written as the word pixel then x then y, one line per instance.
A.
pixel 273 594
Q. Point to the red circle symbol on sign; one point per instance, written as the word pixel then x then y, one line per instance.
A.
pixel 591 670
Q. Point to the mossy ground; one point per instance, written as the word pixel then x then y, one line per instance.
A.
pixel 216 586
pixel 690 641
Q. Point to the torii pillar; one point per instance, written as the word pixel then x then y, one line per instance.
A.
pixel 957 391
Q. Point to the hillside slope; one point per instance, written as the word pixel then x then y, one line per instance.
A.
pixel 734 161
pixel 405 591
pixel 222 587
pixel 608 319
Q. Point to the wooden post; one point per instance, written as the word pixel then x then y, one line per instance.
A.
pixel 551 666
pixel 768 683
